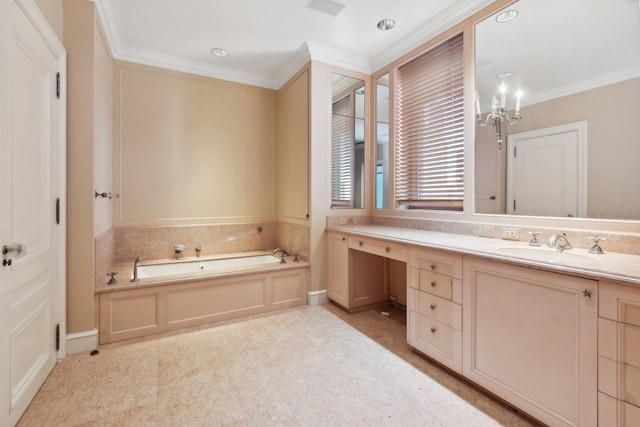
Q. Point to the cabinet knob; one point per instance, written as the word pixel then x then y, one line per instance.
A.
pixel 587 293
pixel 360 243
pixel 388 249
pixel 432 306
pixel 433 284
pixel 344 238
pixel 433 330
pixel 433 267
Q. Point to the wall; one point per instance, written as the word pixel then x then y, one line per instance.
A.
pixel 191 150
pixel 52 11
pixel 612 150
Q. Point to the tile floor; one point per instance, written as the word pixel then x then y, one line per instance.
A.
pixel 307 366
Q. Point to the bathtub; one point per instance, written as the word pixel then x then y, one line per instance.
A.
pixel 175 294
pixel 205 266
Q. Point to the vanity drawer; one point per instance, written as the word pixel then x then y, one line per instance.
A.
pixel 436 339
pixel 436 284
pixel 379 247
pixel 615 413
pixel 631 315
pixel 435 307
pixel 619 303
pixel 440 262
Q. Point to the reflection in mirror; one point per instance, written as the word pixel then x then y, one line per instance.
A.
pixel 382 142
pixel 577 65
pixel 347 142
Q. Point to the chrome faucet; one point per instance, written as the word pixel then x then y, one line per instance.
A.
pixel 560 242
pixel 135 269
pixel 283 254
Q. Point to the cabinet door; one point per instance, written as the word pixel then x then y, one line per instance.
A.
pixel 530 337
pixel 338 289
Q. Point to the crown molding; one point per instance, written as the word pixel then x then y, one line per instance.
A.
pixel 444 20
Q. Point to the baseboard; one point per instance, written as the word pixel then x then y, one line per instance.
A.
pixel 317 297
pixel 82 341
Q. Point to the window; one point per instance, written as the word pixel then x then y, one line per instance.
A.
pixel 430 129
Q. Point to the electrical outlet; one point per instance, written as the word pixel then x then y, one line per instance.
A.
pixel 343 220
pixel 510 234
pixel 485 231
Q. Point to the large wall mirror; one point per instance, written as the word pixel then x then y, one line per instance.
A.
pixel 557 102
pixel 347 142
pixel 382 142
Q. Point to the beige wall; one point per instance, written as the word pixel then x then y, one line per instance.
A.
pixel 613 178
pixel 52 11
pixel 190 149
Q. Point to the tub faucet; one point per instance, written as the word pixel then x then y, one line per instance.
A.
pixel 135 269
pixel 283 254
pixel 560 242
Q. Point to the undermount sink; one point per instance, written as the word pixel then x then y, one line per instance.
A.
pixel 546 254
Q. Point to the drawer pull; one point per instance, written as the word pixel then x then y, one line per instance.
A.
pixel 586 293
pixel 344 238
pixel 388 249
pixel 432 306
pixel 433 267
pixel 360 243
pixel 433 330
pixel 433 284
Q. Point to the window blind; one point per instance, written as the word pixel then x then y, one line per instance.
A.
pixel 342 152
pixel 430 129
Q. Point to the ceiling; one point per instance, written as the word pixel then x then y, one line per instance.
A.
pixel 269 40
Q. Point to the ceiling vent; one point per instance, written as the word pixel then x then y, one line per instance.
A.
pixel 326 6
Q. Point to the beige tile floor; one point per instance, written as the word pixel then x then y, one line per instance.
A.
pixel 307 366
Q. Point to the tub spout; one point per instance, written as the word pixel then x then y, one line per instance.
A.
pixel 135 269
pixel 283 254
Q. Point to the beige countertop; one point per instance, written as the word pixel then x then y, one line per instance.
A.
pixel 577 261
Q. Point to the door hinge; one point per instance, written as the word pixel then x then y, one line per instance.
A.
pixel 58 337
pixel 514 205
pixel 58 85
pixel 514 150
pixel 58 210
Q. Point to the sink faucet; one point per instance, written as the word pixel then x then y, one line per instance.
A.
pixel 283 254
pixel 560 242
pixel 135 269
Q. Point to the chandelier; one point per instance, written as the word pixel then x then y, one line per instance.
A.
pixel 499 113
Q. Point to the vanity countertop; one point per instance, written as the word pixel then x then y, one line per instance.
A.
pixel 577 261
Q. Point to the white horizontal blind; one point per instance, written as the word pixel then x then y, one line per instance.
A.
pixel 342 152
pixel 430 129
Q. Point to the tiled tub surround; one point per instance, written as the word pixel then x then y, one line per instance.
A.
pixel 158 304
pixel 121 246
pixel 628 243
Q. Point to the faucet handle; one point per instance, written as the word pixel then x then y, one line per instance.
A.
pixel 595 248
pixel 534 238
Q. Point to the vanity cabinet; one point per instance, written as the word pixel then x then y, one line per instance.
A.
pixel 358 276
pixel 530 337
pixel 434 312
pixel 619 355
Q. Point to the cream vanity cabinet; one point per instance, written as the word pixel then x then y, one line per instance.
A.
pixel 434 311
pixel 358 273
pixel 530 337
pixel 619 355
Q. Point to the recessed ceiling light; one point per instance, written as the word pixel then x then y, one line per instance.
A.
pixel 507 16
pixel 504 75
pixel 221 53
pixel 386 24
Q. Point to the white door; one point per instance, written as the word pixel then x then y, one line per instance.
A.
pixel 31 145
pixel 546 171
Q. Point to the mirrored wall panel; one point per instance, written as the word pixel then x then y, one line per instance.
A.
pixel 558 95
pixel 347 142
pixel 382 142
